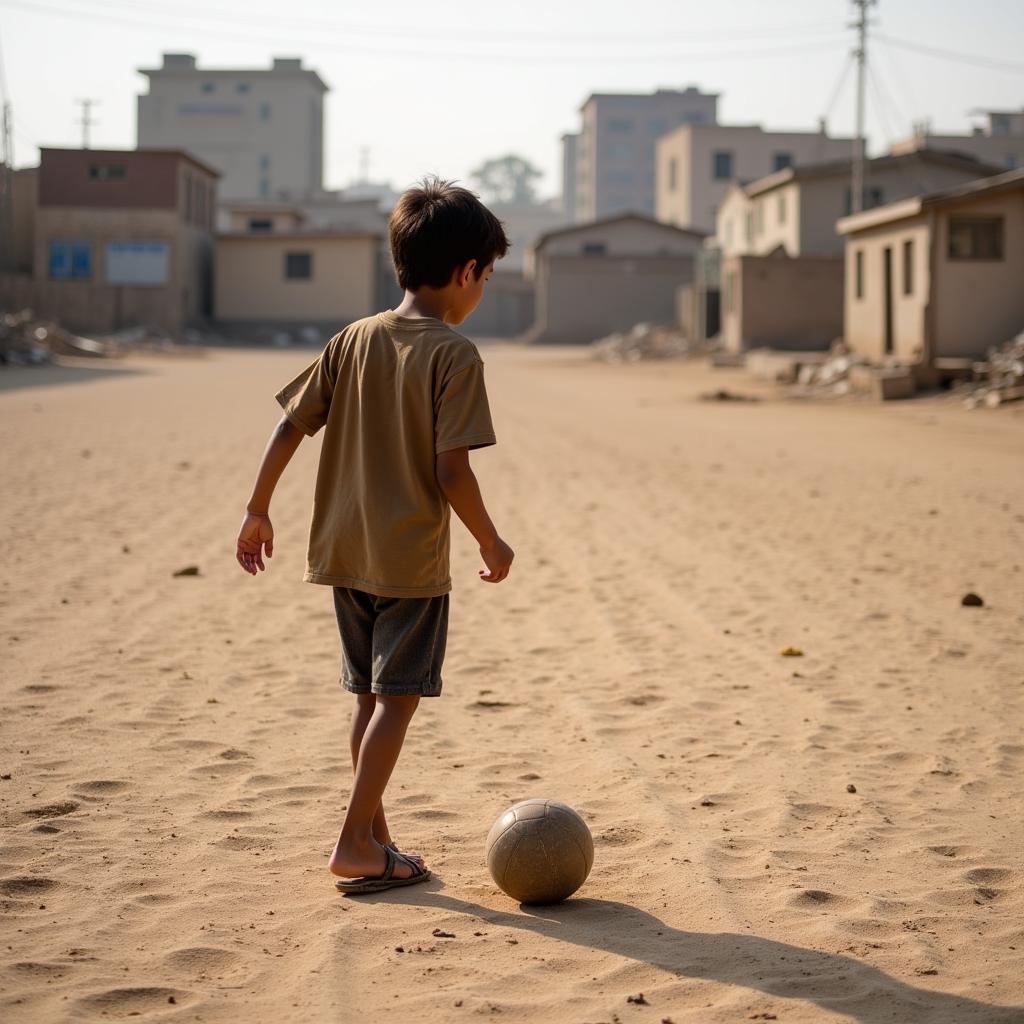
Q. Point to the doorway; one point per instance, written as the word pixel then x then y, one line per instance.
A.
pixel 887 259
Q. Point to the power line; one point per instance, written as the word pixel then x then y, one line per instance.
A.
pixel 435 55
pixel 953 55
pixel 390 31
pixel 882 112
pixel 840 82
pixel 905 86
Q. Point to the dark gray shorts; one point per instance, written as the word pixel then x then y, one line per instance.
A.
pixel 391 645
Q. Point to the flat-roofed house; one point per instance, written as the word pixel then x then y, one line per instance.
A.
pixel 315 282
pixel 937 276
pixel 124 237
pixel 609 275
pixel 781 257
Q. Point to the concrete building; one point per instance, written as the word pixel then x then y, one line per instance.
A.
pixel 261 128
pixel 608 275
pixel 796 209
pixel 998 140
pixel 122 237
pixel 306 284
pixel 939 276
pixel 608 167
pixel 781 256
pixel 697 163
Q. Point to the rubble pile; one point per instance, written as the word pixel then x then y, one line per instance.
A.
pixel 644 341
pixel 998 379
pixel 26 340
pixel 833 374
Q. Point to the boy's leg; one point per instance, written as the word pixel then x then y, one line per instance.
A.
pixel 361 715
pixel 357 853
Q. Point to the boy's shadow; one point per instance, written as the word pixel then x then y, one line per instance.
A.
pixel 837 983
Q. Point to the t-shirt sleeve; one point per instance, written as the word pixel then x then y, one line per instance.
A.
pixel 462 417
pixel 306 400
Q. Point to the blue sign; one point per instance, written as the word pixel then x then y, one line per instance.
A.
pixel 70 260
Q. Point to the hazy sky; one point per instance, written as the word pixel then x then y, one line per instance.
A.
pixel 438 85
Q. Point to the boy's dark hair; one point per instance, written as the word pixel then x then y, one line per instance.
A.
pixel 438 226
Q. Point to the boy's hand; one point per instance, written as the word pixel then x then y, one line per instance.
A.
pixel 255 534
pixel 498 559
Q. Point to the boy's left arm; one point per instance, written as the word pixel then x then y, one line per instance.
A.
pixel 256 534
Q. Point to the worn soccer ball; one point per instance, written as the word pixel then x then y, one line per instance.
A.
pixel 539 851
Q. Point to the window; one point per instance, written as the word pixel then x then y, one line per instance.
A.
pixel 618 150
pixel 620 125
pixel 975 238
pixel 620 178
pixel 780 207
pixel 858 274
pixel 70 260
pixel 673 170
pixel 107 172
pixel 721 165
pixel 780 161
pixel 208 86
pixel 298 266
pixel 872 197
pixel 264 163
pixel 657 126
pixel 264 111
pixel 908 267
pixel 749 225
pixel 1011 161
pixel 242 87
pixel 260 224
pixel 595 249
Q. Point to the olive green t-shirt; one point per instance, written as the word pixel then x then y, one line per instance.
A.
pixel 391 392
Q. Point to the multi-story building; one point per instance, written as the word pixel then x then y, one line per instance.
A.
pixel 697 163
pixel 123 237
pixel 261 128
pixel 608 167
pixel 999 141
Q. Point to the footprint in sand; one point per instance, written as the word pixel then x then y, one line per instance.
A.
pixel 100 787
pixel 54 810
pixel 195 960
pixel 27 885
pixel 127 1002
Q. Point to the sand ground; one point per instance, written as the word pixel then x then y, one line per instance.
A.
pixel 174 750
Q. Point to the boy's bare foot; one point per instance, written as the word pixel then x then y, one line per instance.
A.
pixel 368 861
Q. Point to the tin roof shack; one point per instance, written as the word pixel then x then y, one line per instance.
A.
pixel 124 237
pixel 272 284
pixel 936 277
pixel 608 275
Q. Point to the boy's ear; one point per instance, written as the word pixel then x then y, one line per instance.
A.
pixel 464 274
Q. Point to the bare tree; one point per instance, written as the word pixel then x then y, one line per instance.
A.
pixel 507 179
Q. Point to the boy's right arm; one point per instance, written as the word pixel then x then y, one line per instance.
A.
pixel 256 533
pixel 458 482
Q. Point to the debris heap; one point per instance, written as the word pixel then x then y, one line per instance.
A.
pixel 998 379
pixel 644 341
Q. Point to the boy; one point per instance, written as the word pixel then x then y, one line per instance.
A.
pixel 401 397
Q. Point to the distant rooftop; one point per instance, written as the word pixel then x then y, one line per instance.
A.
pixel 177 65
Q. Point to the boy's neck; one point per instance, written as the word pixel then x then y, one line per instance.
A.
pixel 426 302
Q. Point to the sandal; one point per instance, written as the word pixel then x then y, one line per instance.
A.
pixel 379 883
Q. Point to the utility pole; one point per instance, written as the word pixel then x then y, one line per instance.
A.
pixel 861 54
pixel 6 186
pixel 86 121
